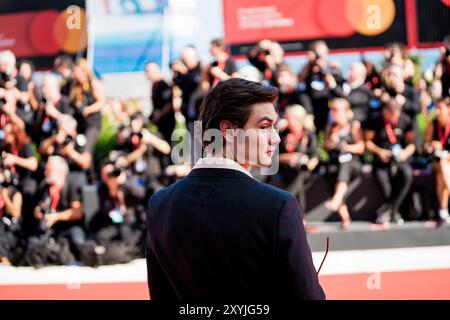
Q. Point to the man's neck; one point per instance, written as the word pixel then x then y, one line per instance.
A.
pixel 224 156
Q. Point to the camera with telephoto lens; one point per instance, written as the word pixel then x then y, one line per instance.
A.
pixel 117 171
pixel 45 210
pixel 6 177
pixel 302 163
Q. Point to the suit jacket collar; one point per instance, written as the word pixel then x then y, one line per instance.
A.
pixel 220 163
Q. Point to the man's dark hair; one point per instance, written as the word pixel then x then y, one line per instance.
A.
pixel 232 100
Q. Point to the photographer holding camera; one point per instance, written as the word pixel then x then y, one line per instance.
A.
pixel 289 91
pixel 266 56
pixel 187 76
pixel 73 147
pixel 390 137
pixel 53 104
pixel 59 210
pixel 17 156
pixel 10 217
pixel 14 95
pixel 395 53
pixel 87 98
pixel 163 113
pixel 63 67
pixel 223 67
pixel 344 143
pixel 298 151
pixel 321 79
pixel 122 214
pixel 437 143
pixel 142 152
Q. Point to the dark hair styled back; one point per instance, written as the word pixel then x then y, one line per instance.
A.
pixel 232 100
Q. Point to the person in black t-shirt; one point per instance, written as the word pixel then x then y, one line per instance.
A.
pixel 356 92
pixel 187 76
pixel 10 218
pixel 344 143
pixel 266 56
pixel 52 106
pixel 290 93
pixel 437 142
pixel 18 157
pixel 390 138
pixel 59 210
pixel 63 66
pixel 14 93
pixel 407 97
pixel 74 147
pixel 163 114
pixel 321 78
pixel 298 151
pixel 223 66
pixel 122 209
pixel 142 152
pixel 86 94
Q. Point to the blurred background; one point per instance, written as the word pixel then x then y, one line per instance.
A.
pixel 92 90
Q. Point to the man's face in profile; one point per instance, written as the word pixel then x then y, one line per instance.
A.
pixel 262 137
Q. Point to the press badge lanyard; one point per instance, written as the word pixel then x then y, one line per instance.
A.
pixel 54 196
pixel 443 138
pixel 390 132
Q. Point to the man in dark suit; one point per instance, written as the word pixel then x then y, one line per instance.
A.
pixel 219 233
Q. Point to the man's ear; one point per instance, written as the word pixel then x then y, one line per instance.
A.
pixel 227 130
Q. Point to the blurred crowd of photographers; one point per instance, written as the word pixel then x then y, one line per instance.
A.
pixel 384 118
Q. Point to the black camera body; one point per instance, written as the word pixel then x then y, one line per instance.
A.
pixel 68 140
pixel 116 172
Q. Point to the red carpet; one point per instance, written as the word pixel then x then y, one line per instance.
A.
pixel 425 284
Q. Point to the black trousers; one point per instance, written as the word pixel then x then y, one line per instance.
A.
pixel 299 185
pixel 395 180
pixel 76 236
pixel 343 172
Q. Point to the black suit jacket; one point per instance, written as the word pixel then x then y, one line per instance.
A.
pixel 219 234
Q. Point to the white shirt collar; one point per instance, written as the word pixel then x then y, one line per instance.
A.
pixel 220 163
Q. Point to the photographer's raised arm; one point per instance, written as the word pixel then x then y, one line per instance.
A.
pixel 358 146
pixel 14 205
pixel 47 146
pixel 136 154
pixel 29 163
pixel 83 159
pixel 74 213
pixel 160 144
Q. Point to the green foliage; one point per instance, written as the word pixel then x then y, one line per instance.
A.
pixel 416 59
pixel 106 140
